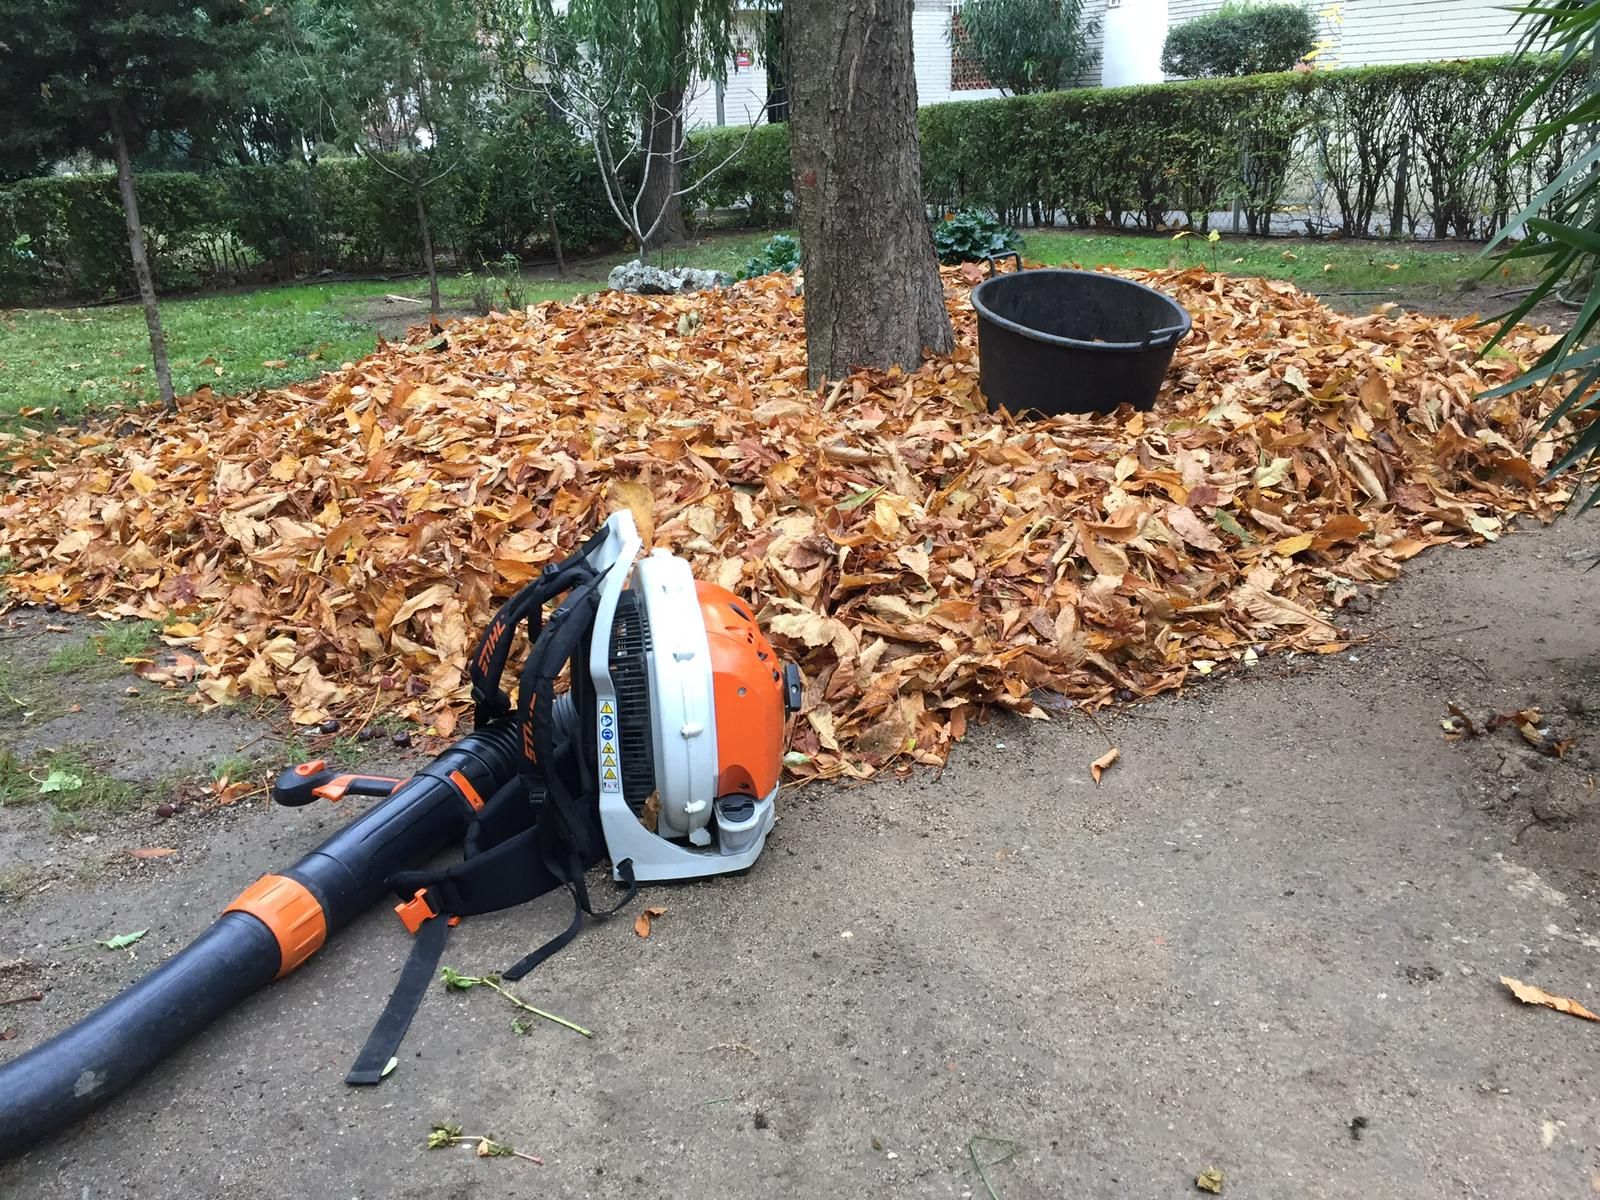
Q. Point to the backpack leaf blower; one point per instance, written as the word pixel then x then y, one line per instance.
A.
pixel 663 753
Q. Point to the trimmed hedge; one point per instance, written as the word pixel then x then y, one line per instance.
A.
pixel 1379 150
pixel 1340 142
pixel 63 238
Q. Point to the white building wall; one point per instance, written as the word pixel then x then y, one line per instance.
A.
pixel 744 94
pixel 1132 34
pixel 1382 31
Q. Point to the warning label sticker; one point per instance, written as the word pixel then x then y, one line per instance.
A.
pixel 610 780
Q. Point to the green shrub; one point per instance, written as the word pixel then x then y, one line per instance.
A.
pixel 753 174
pixel 1240 39
pixel 1394 145
pixel 781 253
pixel 63 238
pixel 972 235
pixel 1026 45
pixel 1377 150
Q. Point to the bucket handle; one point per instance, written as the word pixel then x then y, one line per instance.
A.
pixel 1169 336
pixel 994 259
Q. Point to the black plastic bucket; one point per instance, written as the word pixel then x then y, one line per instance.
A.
pixel 1056 341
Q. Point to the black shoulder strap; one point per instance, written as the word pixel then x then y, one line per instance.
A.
pixel 488 661
pixel 539 831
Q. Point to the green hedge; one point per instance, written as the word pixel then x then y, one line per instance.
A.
pixel 755 178
pixel 1380 150
pixel 63 238
pixel 1338 143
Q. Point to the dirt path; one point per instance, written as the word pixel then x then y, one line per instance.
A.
pixel 1268 944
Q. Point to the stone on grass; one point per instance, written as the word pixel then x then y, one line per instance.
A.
pixel 646 280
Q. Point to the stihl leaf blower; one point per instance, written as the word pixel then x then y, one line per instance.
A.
pixel 663 754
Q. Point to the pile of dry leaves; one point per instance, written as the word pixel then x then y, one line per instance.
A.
pixel 339 545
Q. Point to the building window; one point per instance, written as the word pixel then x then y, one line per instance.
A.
pixel 966 71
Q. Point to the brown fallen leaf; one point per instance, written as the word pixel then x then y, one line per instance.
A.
pixel 641 923
pixel 639 500
pixel 7 1034
pixel 1465 722
pixel 1530 994
pixel 1103 764
pixel 151 851
pixel 923 560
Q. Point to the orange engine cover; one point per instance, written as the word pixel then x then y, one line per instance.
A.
pixel 747 689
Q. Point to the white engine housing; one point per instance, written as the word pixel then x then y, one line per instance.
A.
pixel 683 726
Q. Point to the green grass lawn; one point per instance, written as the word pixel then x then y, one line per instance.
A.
pixel 67 361
pixel 1324 267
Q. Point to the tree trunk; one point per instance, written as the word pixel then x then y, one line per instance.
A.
pixel 141 264
pixel 873 295
pixel 658 196
pixel 427 254
pixel 555 243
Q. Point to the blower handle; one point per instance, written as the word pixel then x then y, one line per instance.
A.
pixel 274 926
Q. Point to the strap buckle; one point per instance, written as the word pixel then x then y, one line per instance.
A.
pixel 415 911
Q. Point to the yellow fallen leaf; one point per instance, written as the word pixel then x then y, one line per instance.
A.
pixel 641 924
pixel 1529 994
pixel 638 500
pixel 1290 546
pixel 1103 764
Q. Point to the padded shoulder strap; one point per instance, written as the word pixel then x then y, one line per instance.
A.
pixel 488 662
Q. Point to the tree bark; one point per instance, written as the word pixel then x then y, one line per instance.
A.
pixel 663 141
pixel 427 253
pixel 872 288
pixel 555 243
pixel 141 263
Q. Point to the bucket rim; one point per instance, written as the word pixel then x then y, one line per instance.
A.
pixel 1179 330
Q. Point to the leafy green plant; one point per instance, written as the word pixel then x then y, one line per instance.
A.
pixel 455 981
pixel 971 235
pixel 1240 38
pixel 445 1135
pixel 500 287
pixel 1190 239
pixel 781 253
pixel 1562 224
pixel 1026 45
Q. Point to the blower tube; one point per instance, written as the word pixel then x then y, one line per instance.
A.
pixel 273 927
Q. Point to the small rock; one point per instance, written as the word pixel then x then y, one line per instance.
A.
pixel 646 280
pixel 1510 767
